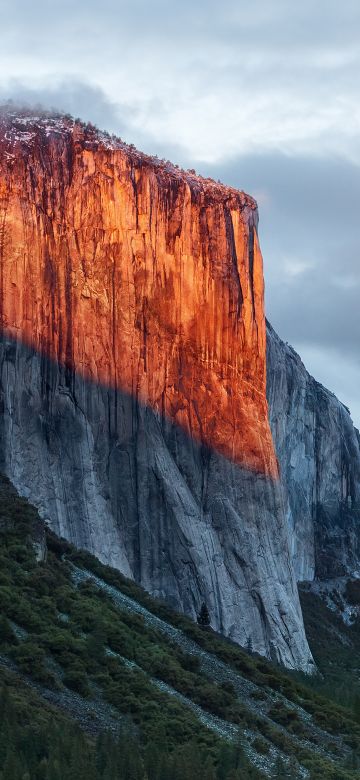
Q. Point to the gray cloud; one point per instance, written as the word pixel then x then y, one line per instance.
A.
pixel 256 76
pixel 71 96
pixel 271 24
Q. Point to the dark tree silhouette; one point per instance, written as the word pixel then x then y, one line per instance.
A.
pixel 203 617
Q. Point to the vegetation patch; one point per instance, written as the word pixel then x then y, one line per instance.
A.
pixel 114 660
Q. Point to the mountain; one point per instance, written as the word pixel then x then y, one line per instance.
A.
pixel 135 371
pixel 99 680
pixel 319 453
pixel 133 375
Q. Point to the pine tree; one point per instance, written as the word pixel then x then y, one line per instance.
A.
pixel 249 645
pixel 95 644
pixel 165 769
pixel 131 765
pixel 352 762
pixel 7 725
pixel 209 770
pixel 152 761
pixel 82 765
pixel 280 770
pixel 7 635
pixel 13 769
pixel 4 702
pixel 191 762
pixel 239 753
pixel 54 771
pixel 226 762
pixel 203 618
pixel 111 768
pixel 356 708
pixel 178 768
pixel 104 743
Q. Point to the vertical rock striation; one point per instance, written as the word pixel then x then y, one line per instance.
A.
pixel 319 453
pixel 133 378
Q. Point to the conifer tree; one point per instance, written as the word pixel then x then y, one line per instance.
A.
pixel 226 762
pixel 152 761
pixel 95 643
pixel 7 725
pixel 209 770
pixel 203 618
pixel 238 752
pixel 53 771
pixel 356 708
pixel 13 769
pixel 280 770
pixel 7 635
pixel 103 748
pixel 249 645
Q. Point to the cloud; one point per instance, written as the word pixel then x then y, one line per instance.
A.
pixel 264 96
pixel 72 96
pixel 229 78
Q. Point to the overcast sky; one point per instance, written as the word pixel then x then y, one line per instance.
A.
pixel 264 95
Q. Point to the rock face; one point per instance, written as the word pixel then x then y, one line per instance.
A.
pixel 319 454
pixel 14 509
pixel 133 387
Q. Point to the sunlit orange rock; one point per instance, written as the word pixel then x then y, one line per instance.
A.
pixel 132 375
pixel 141 276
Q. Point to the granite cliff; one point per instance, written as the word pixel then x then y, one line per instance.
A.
pixel 133 375
pixel 319 454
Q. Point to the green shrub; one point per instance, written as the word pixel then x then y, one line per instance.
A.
pixel 77 681
pixel 35 594
pixel 7 636
pixel 283 715
pixel 260 746
pixel 28 656
pixel 352 592
pixel 258 695
pixel 228 687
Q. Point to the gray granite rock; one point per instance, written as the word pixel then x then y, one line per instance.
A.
pixel 319 452
pixel 115 478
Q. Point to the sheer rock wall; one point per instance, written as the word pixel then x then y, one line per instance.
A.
pixel 133 376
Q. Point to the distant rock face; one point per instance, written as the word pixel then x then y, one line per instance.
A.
pixel 319 454
pixel 133 385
